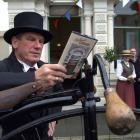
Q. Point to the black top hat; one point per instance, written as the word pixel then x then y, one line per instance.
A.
pixel 27 22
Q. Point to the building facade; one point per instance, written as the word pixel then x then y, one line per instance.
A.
pixel 101 19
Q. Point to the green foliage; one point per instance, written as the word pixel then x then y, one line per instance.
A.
pixel 110 55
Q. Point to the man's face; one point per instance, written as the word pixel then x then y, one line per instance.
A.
pixel 133 52
pixel 28 47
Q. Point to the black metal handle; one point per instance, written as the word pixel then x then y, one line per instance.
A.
pixel 98 59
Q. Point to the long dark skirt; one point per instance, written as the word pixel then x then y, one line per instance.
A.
pixel 126 92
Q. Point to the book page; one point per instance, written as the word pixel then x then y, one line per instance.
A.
pixel 77 49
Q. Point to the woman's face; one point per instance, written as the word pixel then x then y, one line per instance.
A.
pixel 126 58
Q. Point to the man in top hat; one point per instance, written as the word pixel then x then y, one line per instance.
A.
pixel 125 78
pixel 24 65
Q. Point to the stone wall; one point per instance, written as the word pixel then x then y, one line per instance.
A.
pixel 4 47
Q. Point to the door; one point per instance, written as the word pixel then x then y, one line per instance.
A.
pixel 61 29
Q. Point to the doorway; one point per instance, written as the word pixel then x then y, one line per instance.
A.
pixel 61 29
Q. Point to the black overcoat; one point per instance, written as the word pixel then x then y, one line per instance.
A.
pixel 12 75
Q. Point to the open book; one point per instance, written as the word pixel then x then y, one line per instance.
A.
pixel 77 49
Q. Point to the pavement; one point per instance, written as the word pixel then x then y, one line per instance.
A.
pixel 73 129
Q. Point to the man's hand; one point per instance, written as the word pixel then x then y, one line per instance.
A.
pixel 50 74
pixel 51 128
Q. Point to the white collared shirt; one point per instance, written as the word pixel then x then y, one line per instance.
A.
pixel 26 67
pixel 119 71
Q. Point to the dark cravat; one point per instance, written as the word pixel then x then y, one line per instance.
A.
pixel 32 69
